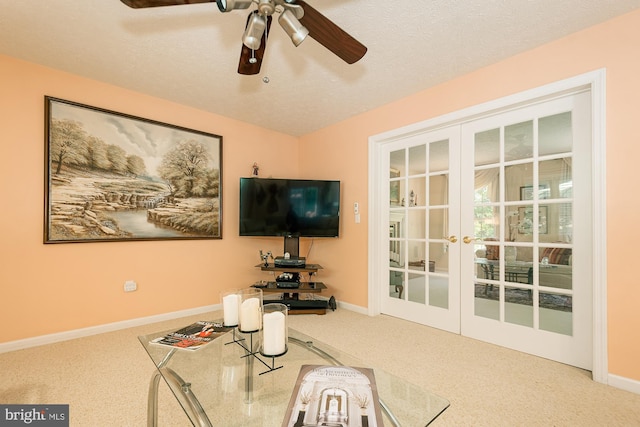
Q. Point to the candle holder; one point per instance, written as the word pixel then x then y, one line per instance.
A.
pixel 249 310
pixel 250 346
pixel 230 305
pixel 251 353
pixel 274 330
pixel 236 339
pixel 250 322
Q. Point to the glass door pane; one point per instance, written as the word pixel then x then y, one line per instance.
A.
pixel 420 247
pixel 397 224
pixel 522 207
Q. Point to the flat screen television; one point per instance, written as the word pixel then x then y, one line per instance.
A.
pixel 289 207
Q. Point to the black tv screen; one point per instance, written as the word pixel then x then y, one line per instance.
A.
pixel 289 207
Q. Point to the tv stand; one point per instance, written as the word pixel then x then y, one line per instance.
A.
pixel 291 296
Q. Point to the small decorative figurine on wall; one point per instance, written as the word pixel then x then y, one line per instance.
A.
pixel 256 169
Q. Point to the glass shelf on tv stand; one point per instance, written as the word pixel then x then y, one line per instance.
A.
pixel 308 268
pixel 291 296
pixel 305 287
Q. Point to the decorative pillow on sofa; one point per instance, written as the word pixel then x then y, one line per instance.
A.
pixel 492 251
pixel 558 256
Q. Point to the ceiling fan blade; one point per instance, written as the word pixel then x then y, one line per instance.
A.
pixel 245 66
pixel 330 35
pixel 139 4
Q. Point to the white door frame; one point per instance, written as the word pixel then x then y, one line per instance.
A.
pixel 596 82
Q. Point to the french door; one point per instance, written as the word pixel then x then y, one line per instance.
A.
pixel 526 231
pixel 423 267
pixel 490 229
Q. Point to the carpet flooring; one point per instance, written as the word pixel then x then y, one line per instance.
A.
pixel 104 378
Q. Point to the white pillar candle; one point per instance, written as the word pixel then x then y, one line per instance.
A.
pixel 230 309
pixel 250 315
pixel 273 332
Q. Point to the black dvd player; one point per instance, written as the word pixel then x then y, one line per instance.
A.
pixel 310 304
pixel 294 261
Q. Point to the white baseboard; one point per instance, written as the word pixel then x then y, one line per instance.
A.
pixel 624 383
pixel 351 307
pixel 110 327
pixel 100 329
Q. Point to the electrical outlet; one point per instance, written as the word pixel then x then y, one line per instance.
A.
pixel 130 286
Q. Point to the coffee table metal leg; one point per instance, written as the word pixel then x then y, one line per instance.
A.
pixel 189 401
pixel 152 400
pixel 191 404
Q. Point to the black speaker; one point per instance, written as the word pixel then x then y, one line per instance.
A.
pixel 292 245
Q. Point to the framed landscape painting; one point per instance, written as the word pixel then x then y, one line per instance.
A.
pixel 115 177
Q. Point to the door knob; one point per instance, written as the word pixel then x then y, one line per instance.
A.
pixel 468 239
pixel 452 239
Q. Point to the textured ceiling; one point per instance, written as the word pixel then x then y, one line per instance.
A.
pixel 189 53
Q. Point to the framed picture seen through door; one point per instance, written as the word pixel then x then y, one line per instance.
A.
pixel 526 192
pixel 525 220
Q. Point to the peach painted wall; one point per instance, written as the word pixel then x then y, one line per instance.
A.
pixel 613 45
pixel 61 287
pixel 340 152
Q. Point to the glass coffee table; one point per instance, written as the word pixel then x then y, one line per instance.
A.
pixel 223 384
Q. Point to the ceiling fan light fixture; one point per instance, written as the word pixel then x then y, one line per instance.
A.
pixel 256 26
pixel 229 5
pixel 296 31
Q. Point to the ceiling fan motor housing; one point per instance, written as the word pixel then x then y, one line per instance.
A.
pixel 266 7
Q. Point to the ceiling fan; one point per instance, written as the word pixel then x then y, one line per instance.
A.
pixel 297 18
